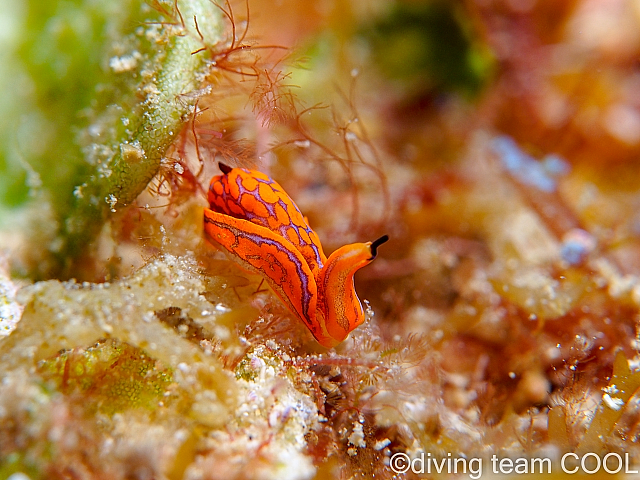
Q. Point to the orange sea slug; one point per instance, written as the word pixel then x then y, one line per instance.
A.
pixel 257 224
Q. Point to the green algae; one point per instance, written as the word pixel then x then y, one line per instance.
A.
pixel 114 375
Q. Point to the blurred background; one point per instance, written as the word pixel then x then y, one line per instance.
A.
pixel 496 141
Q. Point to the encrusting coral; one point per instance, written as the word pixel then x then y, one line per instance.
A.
pixel 134 369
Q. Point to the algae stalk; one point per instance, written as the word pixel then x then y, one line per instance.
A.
pixel 165 106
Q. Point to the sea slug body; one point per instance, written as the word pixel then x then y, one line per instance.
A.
pixel 252 219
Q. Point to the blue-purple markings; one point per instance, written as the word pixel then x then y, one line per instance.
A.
pixel 272 211
pixel 259 240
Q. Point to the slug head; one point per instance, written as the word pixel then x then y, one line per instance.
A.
pixel 342 310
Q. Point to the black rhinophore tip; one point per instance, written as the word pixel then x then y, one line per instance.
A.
pixel 224 168
pixel 376 243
